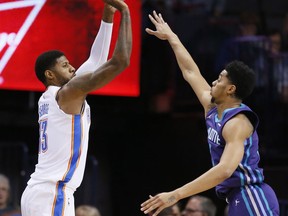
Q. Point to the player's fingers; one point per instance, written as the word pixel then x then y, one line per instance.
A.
pixel 149 205
pixel 161 18
pixel 149 31
pixel 158 211
pixel 150 201
pixel 151 209
pixel 156 16
pixel 152 19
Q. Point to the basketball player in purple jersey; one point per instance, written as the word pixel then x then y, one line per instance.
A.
pixel 232 137
pixel 64 116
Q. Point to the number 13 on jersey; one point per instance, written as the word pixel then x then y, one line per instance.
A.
pixel 43 145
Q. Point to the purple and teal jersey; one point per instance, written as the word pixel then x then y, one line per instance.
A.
pixel 247 172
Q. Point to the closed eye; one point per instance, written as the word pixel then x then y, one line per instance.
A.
pixel 65 65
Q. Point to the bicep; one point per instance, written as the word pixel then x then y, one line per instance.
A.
pixel 71 96
pixel 91 81
pixel 233 154
pixel 235 132
pixel 73 93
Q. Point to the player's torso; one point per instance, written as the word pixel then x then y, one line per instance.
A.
pixel 63 142
pixel 248 171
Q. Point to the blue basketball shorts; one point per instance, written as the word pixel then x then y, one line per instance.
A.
pixel 253 200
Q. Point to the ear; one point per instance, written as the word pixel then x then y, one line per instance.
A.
pixel 231 90
pixel 49 75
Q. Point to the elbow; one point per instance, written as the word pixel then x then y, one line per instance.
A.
pixel 225 171
pixel 122 63
pixel 184 73
pixel 125 59
pixel 126 62
pixel 187 74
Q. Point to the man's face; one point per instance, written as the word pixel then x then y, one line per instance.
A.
pixel 193 208
pixel 220 88
pixel 63 71
pixel 4 193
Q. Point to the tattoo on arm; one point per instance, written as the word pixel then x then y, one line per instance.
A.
pixel 171 199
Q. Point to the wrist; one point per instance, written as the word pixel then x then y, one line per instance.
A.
pixel 177 194
pixel 108 13
pixel 124 8
pixel 172 38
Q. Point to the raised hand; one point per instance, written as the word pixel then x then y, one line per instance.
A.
pixel 118 4
pixel 163 31
pixel 110 8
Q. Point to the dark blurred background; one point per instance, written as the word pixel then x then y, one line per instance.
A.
pixel 157 141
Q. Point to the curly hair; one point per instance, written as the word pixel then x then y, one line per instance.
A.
pixel 242 76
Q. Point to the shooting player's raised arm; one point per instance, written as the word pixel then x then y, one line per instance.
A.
pixel 101 45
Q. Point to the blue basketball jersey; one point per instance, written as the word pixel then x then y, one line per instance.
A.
pixel 247 171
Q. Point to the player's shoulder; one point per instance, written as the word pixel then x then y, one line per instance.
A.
pixel 239 121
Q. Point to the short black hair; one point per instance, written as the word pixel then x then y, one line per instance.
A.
pixel 242 76
pixel 46 61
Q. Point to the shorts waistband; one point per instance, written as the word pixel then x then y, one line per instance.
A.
pixel 50 184
pixel 233 191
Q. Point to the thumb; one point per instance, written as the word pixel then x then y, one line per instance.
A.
pixel 149 31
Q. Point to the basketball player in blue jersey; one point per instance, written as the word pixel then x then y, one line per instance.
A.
pixel 232 137
pixel 64 116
